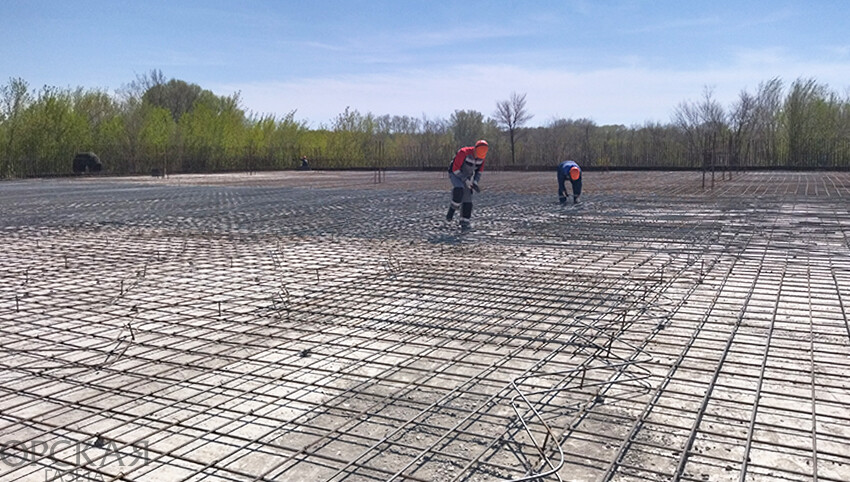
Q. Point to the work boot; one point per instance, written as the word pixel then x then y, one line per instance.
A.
pixel 450 214
pixel 575 199
pixel 465 224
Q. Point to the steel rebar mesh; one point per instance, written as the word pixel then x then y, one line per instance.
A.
pixel 232 331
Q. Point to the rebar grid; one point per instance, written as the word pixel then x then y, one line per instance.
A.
pixel 279 333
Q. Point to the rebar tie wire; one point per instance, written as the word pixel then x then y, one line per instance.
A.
pixel 623 372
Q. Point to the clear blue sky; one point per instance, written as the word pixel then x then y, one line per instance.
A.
pixel 615 62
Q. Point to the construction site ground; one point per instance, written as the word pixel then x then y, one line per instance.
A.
pixel 332 326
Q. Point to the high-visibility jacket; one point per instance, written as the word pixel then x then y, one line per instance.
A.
pixel 465 164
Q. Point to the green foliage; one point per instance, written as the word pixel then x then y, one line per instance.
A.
pixel 175 126
pixel 50 131
pixel 467 127
pixel 260 135
pixel 176 96
pixel 15 99
pixel 157 132
pixel 106 145
pixel 350 142
pixel 811 116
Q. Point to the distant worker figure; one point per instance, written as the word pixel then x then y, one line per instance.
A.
pixel 569 170
pixel 464 173
pixel 305 164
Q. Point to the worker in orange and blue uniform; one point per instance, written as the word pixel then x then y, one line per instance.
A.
pixel 465 173
pixel 569 170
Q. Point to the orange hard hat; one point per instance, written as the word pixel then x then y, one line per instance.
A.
pixel 575 173
pixel 481 148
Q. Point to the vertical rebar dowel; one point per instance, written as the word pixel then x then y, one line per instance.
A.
pixel 17 308
pixel 122 286
pixel 543 447
pixel 219 309
pixel 583 373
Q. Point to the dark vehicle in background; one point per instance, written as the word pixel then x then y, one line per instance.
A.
pixel 87 162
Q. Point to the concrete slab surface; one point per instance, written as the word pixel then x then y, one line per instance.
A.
pixel 332 326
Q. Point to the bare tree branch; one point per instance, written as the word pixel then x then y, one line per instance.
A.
pixel 512 115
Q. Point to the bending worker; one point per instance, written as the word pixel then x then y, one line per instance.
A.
pixel 464 173
pixel 569 170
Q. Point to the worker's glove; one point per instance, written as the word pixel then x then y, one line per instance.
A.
pixel 457 173
pixel 469 184
pixel 475 186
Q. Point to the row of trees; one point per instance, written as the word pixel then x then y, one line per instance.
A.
pixel 175 126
